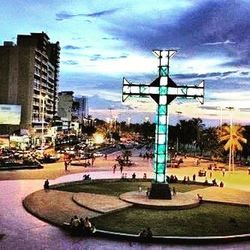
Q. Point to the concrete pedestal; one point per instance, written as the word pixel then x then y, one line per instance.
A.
pixel 160 191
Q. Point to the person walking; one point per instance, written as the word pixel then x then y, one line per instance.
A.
pixel 194 178
pixel 92 160
pixel 223 172
pixel 174 191
pixel 65 165
pixel 114 168
pixel 121 168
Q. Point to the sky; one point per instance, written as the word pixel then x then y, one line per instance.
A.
pixel 104 41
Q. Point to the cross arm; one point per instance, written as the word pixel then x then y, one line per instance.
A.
pixel 196 92
pixel 141 90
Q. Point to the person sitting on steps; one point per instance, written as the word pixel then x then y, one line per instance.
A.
pixel 88 227
pixel 46 184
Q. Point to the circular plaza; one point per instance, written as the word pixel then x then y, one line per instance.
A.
pixel 105 199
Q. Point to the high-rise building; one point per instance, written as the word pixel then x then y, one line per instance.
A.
pixel 72 109
pixel 65 108
pixel 80 107
pixel 29 72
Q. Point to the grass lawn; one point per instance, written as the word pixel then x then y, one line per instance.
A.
pixel 207 219
pixel 118 187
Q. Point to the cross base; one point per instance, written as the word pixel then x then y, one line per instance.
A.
pixel 160 191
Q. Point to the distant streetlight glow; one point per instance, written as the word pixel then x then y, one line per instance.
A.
pixel 98 138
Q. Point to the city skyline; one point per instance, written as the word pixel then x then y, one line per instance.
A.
pixel 102 44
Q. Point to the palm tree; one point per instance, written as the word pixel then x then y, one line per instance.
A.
pixel 233 135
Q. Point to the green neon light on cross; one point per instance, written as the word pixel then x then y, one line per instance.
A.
pixel 163 90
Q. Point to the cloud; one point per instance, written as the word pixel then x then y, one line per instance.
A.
pixel 102 13
pixel 209 107
pixel 91 83
pixel 70 62
pixel 219 43
pixel 63 15
pixel 97 57
pixel 99 102
pixel 212 22
pixel 110 38
pixel 244 61
pixel 71 47
pixel 206 75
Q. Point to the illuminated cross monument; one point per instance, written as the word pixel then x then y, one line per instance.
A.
pixel 163 90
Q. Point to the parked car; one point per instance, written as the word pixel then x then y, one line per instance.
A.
pixel 98 154
pixel 202 173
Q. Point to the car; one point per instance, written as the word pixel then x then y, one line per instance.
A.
pixel 98 154
pixel 202 173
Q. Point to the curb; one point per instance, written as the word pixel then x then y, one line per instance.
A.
pixel 206 240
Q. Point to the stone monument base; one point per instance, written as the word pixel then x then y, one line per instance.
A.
pixel 160 191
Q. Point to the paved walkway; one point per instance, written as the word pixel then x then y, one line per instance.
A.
pixel 24 231
pixel 224 195
pixel 100 203
pixel 55 206
pixel 179 201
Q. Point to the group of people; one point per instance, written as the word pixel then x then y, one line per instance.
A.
pixel 147 155
pixel 115 166
pixel 186 179
pixel 214 182
pixel 81 226
pixel 172 179
pixel 86 177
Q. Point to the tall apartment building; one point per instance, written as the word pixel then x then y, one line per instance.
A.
pixel 73 111
pixel 80 107
pixel 65 105
pixel 29 74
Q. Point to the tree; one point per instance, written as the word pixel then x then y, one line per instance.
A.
pixel 189 132
pixel 197 128
pixel 209 142
pixel 147 130
pixel 246 147
pixel 233 135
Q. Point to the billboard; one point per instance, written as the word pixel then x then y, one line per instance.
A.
pixel 10 114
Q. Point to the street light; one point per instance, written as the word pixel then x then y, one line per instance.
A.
pixel 129 121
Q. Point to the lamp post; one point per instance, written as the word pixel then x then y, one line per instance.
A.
pixel 231 157
pixel 220 119
pixel 129 121
pixel 177 139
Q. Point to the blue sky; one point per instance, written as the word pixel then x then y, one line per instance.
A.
pixel 102 41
